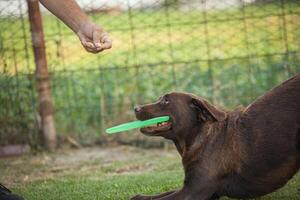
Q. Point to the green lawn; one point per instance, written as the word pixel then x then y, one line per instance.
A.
pixel 105 174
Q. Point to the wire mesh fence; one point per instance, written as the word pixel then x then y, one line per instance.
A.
pixel 229 52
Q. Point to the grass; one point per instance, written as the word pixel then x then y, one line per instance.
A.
pixel 120 173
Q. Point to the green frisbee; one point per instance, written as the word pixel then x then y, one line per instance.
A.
pixel 136 124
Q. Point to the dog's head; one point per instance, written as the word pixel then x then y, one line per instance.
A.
pixel 186 111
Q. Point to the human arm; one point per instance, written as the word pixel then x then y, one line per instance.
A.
pixel 93 38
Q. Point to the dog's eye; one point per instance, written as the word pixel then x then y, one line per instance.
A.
pixel 165 101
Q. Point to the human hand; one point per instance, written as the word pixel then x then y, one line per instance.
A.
pixel 93 38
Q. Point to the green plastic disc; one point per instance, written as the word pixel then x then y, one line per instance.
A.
pixel 136 124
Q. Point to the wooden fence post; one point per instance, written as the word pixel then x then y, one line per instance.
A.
pixel 46 108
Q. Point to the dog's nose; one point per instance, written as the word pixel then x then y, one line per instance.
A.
pixel 137 109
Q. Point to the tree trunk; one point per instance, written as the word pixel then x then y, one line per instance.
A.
pixel 46 109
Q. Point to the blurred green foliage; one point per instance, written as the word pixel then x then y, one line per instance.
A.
pixel 228 56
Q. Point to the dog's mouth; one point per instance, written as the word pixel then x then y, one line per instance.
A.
pixel 157 128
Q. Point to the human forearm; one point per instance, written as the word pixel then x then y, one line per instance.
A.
pixel 92 36
pixel 68 11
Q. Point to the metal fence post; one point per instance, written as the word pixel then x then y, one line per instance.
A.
pixel 42 77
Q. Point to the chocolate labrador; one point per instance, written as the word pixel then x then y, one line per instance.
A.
pixel 244 153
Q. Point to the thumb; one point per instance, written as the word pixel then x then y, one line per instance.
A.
pixel 97 37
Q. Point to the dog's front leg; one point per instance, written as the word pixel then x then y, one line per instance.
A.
pixel 191 193
pixel 143 197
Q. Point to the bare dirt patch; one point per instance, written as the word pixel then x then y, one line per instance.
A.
pixel 113 160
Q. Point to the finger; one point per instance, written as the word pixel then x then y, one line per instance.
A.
pixel 106 45
pixel 88 45
pixel 89 49
pixel 106 41
pixel 85 42
pixel 93 50
pixel 96 38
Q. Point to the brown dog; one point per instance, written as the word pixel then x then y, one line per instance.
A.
pixel 244 153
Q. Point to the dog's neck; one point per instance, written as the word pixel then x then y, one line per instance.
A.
pixel 199 140
pixel 194 138
pixel 204 139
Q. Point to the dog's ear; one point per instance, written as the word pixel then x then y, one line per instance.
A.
pixel 206 110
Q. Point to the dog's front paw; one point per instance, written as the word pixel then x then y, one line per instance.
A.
pixel 140 197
